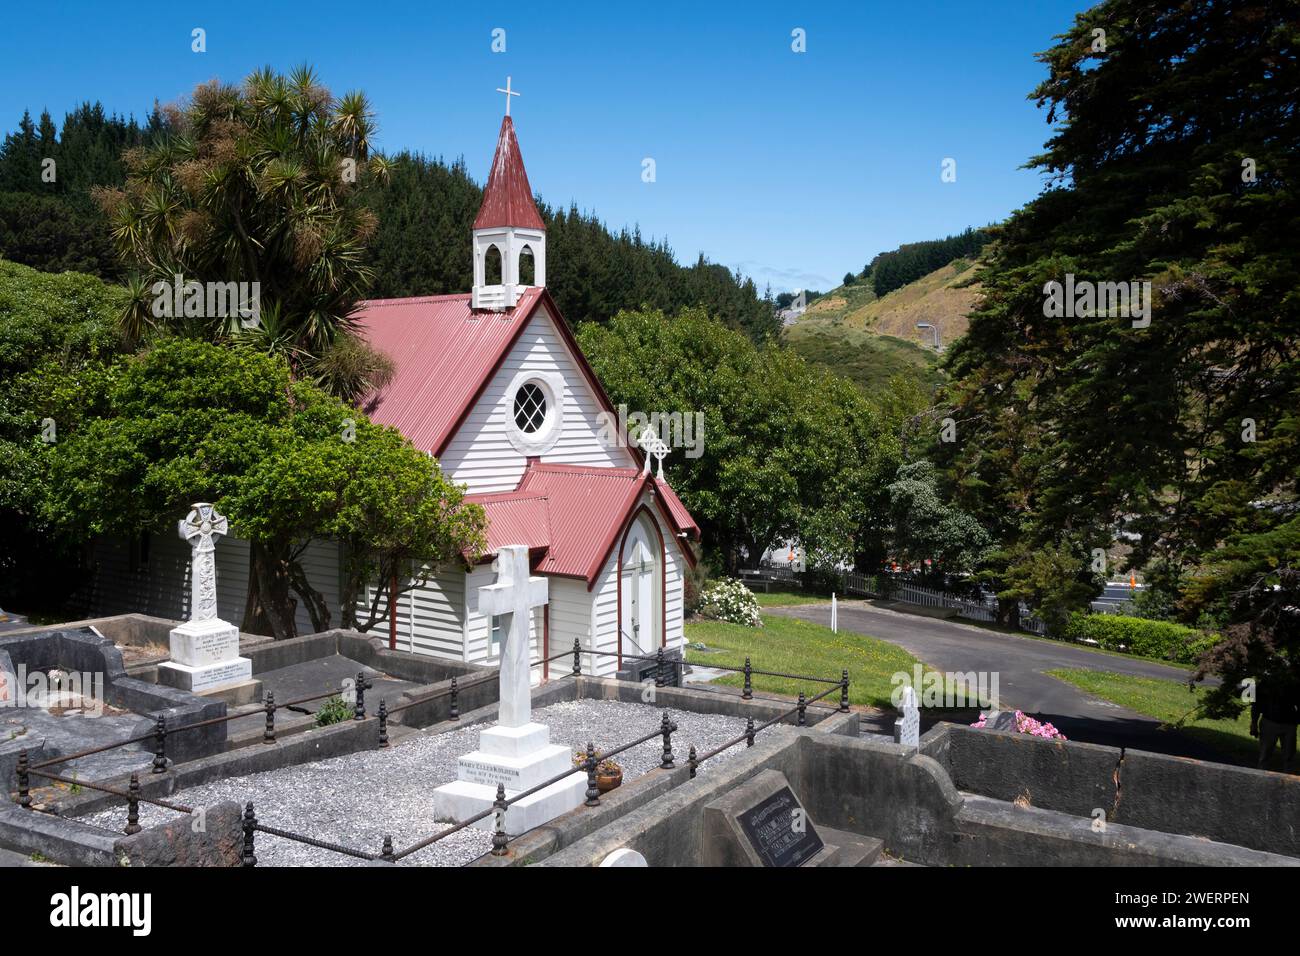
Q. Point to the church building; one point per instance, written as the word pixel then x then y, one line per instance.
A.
pixel 490 382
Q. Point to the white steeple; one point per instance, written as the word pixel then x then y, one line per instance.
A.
pixel 508 229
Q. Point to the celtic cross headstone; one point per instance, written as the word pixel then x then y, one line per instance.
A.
pixel 201 528
pixel 205 649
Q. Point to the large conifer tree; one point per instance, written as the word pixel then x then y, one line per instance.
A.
pixel 1174 159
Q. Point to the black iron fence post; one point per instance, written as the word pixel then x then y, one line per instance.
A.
pixel 455 705
pixel 803 709
pixel 383 723
pixel 268 736
pixel 361 696
pixel 386 854
pixel 24 781
pixel 250 827
pixel 749 732
pixel 133 806
pixel 160 745
pixel 499 838
pixel 659 668
pixel 844 691
pixel 666 727
pixel 577 657
pixel 593 790
pixel 691 761
pixel 747 692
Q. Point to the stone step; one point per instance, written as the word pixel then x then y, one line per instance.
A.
pixel 843 848
pixel 886 860
pixel 12 858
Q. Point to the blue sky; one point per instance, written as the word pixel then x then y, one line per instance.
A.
pixel 793 167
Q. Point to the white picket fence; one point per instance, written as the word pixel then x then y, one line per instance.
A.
pixel 986 610
pixel 863 585
pixel 912 594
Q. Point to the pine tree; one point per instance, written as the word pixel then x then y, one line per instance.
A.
pixel 1174 161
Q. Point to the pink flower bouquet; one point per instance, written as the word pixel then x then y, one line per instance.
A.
pixel 1027 725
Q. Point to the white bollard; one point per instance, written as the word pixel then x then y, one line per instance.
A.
pixel 835 615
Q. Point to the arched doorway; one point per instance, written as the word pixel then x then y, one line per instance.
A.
pixel 641 588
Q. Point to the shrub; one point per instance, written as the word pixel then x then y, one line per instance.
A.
pixel 694 581
pixel 333 711
pixel 729 600
pixel 1136 635
pixel 820 579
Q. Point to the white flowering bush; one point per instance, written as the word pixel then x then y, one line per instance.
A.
pixel 729 600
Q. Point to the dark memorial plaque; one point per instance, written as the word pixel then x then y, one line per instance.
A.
pixel 770 828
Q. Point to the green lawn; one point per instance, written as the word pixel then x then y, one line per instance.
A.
pixel 1168 701
pixel 778 597
pixel 798 647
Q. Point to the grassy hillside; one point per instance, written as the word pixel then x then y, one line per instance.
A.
pixel 872 339
pixel 942 298
pixel 869 359
pixel 837 303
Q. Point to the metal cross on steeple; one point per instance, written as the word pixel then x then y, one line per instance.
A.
pixel 509 93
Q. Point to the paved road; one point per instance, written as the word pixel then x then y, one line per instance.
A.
pixel 1020 663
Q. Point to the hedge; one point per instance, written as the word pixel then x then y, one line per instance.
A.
pixel 1136 635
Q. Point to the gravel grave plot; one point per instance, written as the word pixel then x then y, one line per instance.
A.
pixel 357 800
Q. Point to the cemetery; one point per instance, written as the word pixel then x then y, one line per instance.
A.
pixel 411 557
pixel 436 763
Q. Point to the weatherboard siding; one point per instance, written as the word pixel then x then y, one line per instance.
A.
pixel 429 617
pixel 605 615
pixel 480 454
pixel 119 582
pixel 440 618
pixel 571 618
pixel 476 624
pixel 674 589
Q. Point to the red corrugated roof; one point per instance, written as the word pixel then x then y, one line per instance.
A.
pixel 586 508
pixel 507 198
pixel 515 518
pixel 681 517
pixel 588 505
pixel 444 352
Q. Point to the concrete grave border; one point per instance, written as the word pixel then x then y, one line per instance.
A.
pixel 64 838
pixel 909 799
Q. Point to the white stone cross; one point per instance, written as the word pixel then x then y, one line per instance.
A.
pixel 516 594
pixel 509 93
pixel 201 528
pixel 909 725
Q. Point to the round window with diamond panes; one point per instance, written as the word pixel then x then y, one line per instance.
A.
pixel 530 408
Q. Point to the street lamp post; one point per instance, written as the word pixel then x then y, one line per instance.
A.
pixel 935 330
